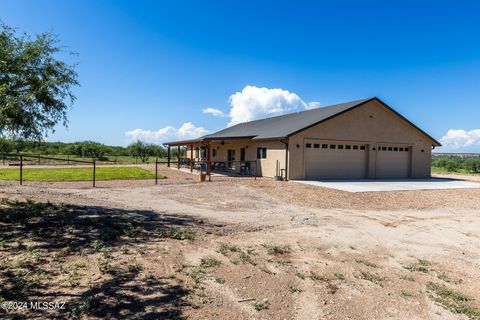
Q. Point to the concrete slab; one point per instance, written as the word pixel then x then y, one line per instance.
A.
pixel 391 184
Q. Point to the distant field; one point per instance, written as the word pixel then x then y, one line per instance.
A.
pixel 77 174
pixel 458 171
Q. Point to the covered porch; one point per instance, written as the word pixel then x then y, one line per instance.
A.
pixel 230 157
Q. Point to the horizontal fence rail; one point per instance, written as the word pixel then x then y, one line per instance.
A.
pixel 110 159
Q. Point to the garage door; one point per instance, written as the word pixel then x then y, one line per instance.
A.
pixel 392 162
pixel 335 160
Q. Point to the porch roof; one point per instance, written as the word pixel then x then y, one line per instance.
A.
pixel 203 139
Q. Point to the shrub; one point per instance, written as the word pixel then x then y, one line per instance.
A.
pixel 472 165
pixel 452 165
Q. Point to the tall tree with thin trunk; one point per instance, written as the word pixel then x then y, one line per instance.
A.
pixel 35 86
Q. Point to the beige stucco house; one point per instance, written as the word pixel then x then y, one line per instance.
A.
pixel 363 139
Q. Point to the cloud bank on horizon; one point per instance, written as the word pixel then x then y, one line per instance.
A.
pixel 252 103
pixel 460 140
pixel 187 131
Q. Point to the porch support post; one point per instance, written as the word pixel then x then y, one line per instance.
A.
pixel 168 156
pixel 178 157
pixel 191 158
pixel 208 162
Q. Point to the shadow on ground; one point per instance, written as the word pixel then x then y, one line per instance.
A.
pixel 36 236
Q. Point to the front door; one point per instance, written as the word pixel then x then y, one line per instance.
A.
pixel 242 154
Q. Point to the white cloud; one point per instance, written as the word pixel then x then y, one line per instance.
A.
pixel 214 112
pixel 313 105
pixel 456 139
pixel 254 103
pixel 187 131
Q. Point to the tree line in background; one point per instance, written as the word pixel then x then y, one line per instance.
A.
pixel 457 164
pixel 84 149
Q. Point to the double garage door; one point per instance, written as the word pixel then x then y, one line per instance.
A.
pixel 344 160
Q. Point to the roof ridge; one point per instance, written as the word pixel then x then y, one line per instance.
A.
pixel 299 112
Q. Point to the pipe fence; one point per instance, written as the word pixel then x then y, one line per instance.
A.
pixel 205 168
pixel 21 160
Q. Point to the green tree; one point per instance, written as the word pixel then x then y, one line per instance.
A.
pixel 93 150
pixel 6 145
pixel 472 165
pixel 35 86
pixel 452 165
pixel 142 150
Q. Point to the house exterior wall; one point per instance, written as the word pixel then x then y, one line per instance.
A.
pixel 370 124
pixel 264 167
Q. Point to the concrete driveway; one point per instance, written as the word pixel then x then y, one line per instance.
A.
pixel 391 184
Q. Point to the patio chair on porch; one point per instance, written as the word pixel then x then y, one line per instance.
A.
pixel 245 168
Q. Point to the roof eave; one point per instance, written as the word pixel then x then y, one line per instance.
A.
pixel 183 142
pixel 434 141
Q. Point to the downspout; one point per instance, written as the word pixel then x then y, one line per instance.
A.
pixel 286 158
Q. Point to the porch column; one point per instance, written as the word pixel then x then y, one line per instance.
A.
pixel 208 162
pixel 168 156
pixel 178 157
pixel 191 158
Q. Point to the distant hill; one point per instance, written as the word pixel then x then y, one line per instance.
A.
pixel 455 154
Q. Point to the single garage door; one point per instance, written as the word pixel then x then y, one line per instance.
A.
pixel 335 160
pixel 392 162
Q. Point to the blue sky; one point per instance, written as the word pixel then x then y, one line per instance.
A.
pixel 151 68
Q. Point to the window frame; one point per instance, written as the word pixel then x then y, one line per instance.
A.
pixel 261 153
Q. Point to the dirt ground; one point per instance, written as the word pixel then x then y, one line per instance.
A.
pixel 239 248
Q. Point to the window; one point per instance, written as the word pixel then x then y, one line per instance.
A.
pixel 355 147
pixel 324 146
pixel 395 149
pixel 400 149
pixel 406 149
pixel 197 150
pixel 362 147
pixel 384 148
pixel 348 147
pixel 332 146
pixel 214 152
pixel 316 145
pixel 340 146
pixel 308 145
pixel 390 148
pixel 261 153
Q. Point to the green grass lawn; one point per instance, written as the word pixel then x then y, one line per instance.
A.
pixel 77 174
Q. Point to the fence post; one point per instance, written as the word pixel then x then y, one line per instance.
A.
pixel 156 171
pixel 255 171
pixel 94 167
pixel 21 170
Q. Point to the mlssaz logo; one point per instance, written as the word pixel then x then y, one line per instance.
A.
pixel 41 305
